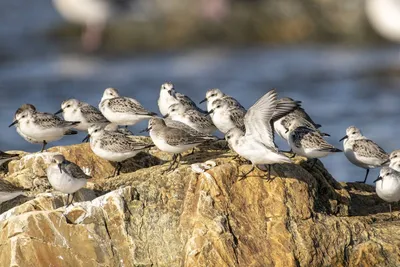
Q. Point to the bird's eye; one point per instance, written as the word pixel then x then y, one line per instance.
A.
pixel 23 116
pixel 395 156
pixel 173 110
pixel 218 106
pixel 95 131
pixel 68 106
pixel 353 133
pixel 213 94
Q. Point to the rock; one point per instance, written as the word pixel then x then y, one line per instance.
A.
pixel 302 217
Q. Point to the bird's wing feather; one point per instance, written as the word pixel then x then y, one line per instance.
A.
pixel 366 148
pixel 127 105
pixel 93 115
pixel 257 120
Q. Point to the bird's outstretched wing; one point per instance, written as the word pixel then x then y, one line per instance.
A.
pixel 257 120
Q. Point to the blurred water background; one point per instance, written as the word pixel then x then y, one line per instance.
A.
pixel 323 53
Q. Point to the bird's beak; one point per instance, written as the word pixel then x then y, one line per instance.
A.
pixel 14 122
pixel 386 162
pixel 145 130
pixel 86 139
pixel 210 112
pixel 202 101
pixel 344 137
pixel 58 112
pixel 377 179
pixel 286 131
pixel 166 116
pixel 59 166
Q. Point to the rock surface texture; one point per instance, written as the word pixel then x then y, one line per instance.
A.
pixel 302 217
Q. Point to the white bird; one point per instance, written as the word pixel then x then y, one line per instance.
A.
pixel 9 191
pixel 122 110
pixel 308 142
pixel 388 186
pixel 257 143
pixel 174 140
pixel 114 146
pixel 4 157
pixel 363 152
pixel 226 116
pixel 384 16
pixel 193 118
pixel 394 159
pixel 93 15
pixel 75 110
pixel 66 176
pixel 168 96
pixel 40 127
pixel 281 126
pixel 215 94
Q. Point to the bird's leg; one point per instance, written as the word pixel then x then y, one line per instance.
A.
pixel 118 168
pixel 390 210
pixel 178 160
pixel 43 146
pixel 72 200
pixel 365 179
pixel 313 164
pixel 92 37
pixel 172 163
pixel 269 172
pixel 244 175
pixel 193 150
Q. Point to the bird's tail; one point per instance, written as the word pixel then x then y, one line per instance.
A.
pixel 70 132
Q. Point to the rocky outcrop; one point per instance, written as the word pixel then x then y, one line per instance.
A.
pixel 302 217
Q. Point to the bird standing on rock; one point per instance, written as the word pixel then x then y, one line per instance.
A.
pixel 114 146
pixel 174 140
pixel 122 110
pixel 66 176
pixel 363 152
pixel 257 142
pixel 40 127
pixel 388 186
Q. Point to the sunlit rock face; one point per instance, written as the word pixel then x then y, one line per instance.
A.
pixel 194 216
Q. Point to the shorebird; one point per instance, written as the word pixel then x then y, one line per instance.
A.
pixel 38 127
pixel 114 146
pixel 308 142
pixel 216 94
pixel 388 186
pixel 174 140
pixel 93 15
pixel 257 142
pixel 122 110
pixel 66 176
pixel 9 191
pixel 363 152
pixel 75 110
pixel 168 96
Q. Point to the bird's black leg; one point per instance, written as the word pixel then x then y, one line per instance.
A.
pixel 365 179
pixel 193 150
pixel 118 168
pixel 390 210
pixel 315 161
pixel 72 200
pixel 44 145
pixel 244 175
pixel 174 157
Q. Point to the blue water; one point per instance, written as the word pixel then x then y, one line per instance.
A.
pixel 339 86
